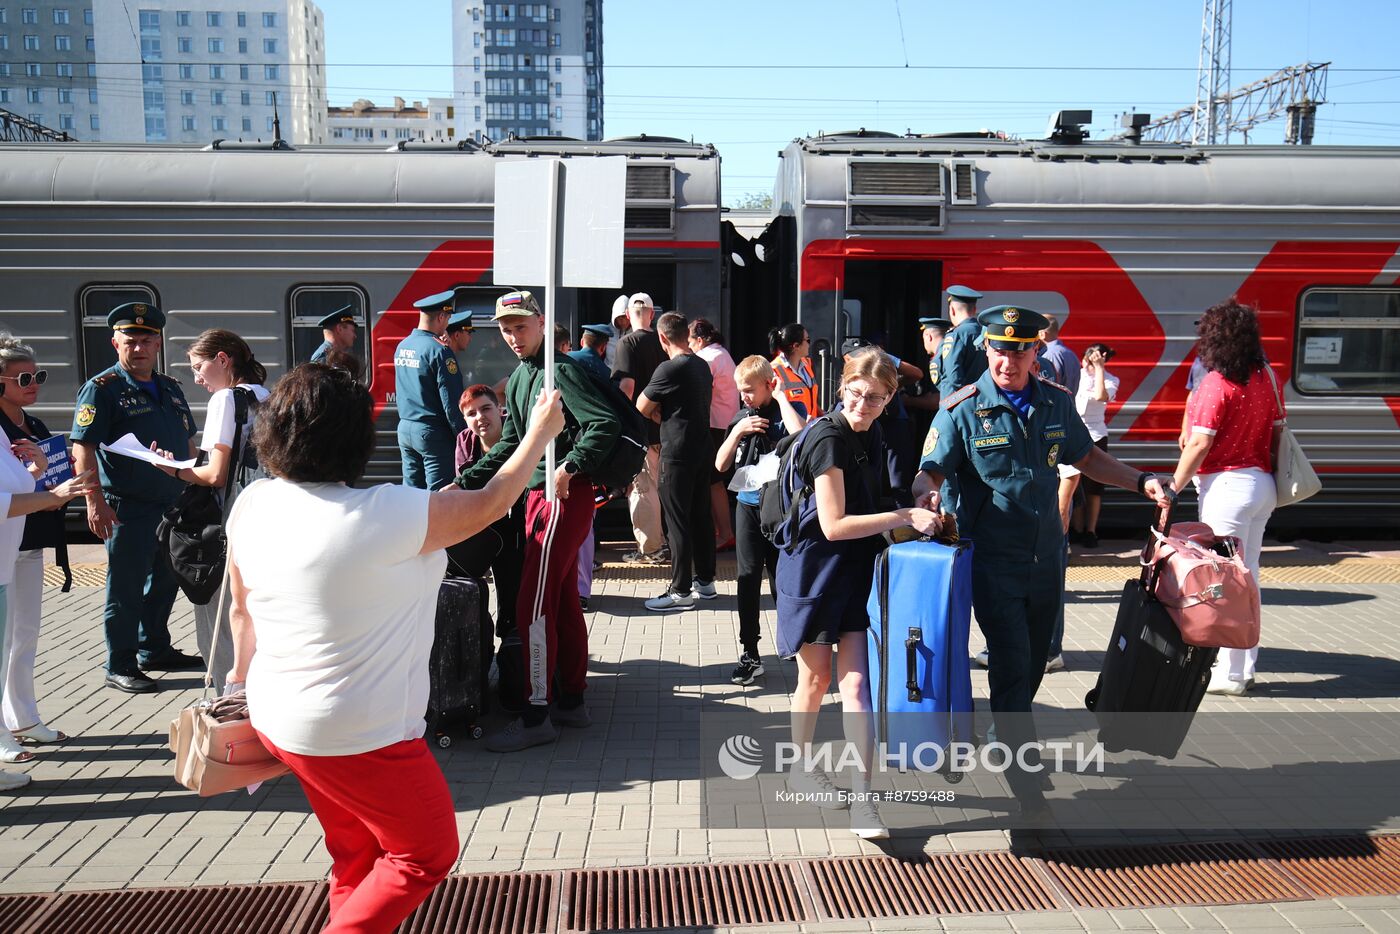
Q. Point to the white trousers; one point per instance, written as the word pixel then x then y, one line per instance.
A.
pixel 26 611
pixel 644 503
pixel 1239 503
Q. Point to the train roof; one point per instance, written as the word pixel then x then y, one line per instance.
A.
pixel 459 175
pixel 1107 173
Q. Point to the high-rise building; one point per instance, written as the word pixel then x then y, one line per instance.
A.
pixel 528 69
pixel 166 70
pixel 47 70
pixel 363 124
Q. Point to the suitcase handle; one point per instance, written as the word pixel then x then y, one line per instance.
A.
pixel 1161 526
pixel 911 664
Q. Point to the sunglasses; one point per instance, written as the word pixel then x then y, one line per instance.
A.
pixel 24 379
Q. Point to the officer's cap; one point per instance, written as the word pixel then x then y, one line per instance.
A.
pixel 339 316
pixel 461 321
pixel 136 316
pixel 517 304
pixel 442 301
pixel 962 293
pixel 602 330
pixel 1006 327
pixel 851 344
pixel 942 324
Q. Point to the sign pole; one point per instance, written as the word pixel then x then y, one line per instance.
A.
pixel 550 291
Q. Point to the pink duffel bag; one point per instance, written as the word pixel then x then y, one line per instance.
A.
pixel 1201 579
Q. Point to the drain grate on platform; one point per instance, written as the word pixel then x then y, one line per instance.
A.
pixel 16 910
pixel 955 883
pixel 1175 874
pixel 230 909
pixel 712 895
pixel 1340 866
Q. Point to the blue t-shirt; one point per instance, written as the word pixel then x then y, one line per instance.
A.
pixel 1020 399
pixel 152 387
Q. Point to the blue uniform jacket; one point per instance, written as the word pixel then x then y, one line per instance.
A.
pixel 1005 467
pixel 320 352
pixel 112 404
pixel 592 362
pixel 427 382
pixel 961 358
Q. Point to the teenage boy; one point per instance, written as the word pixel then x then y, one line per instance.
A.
pixel 554 635
pixel 678 396
pixel 765 418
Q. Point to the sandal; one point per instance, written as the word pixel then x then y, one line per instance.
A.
pixel 11 750
pixel 41 733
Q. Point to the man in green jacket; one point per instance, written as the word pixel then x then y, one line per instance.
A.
pixel 554 637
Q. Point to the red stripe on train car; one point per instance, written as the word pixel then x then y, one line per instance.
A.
pixel 1274 288
pixel 1105 304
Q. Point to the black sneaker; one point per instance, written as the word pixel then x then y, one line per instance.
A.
pixel 132 682
pixel 583 604
pixel 747 669
pixel 172 660
pixel 1089 540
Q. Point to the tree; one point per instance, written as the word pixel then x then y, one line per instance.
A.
pixel 753 201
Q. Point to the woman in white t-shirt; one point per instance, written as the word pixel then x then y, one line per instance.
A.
pixel 704 340
pixel 334 597
pixel 221 362
pixel 1097 388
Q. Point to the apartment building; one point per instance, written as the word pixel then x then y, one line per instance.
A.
pixel 48 65
pixel 528 69
pixel 364 124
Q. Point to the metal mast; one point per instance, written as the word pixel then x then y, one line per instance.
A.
pixel 17 129
pixel 1213 75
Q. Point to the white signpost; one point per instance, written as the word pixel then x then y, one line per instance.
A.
pixel 558 224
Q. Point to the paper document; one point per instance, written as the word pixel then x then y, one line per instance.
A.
pixel 128 446
pixel 750 478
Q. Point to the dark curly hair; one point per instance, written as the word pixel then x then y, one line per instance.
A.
pixel 1229 341
pixel 317 426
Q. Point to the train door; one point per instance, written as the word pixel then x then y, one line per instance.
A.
pixel 655 279
pixel 95 303
pixel 882 301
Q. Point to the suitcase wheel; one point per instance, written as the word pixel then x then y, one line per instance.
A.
pixel 444 741
pixel 953 777
pixel 477 732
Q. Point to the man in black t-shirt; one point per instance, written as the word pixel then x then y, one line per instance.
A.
pixel 639 353
pixel 678 396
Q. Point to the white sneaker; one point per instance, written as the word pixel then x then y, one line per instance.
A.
pixel 1227 687
pixel 10 781
pixel 823 791
pixel 670 601
pixel 981 658
pixel 866 823
pixel 1055 664
pixel 702 590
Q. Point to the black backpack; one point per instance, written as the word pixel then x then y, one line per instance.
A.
pixel 192 530
pixel 629 453
pixel 786 503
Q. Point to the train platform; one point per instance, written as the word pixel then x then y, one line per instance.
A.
pixel 608 829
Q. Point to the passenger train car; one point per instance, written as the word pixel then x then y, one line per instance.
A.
pixel 267 241
pixel 1128 244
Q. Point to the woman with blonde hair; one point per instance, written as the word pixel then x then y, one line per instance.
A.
pixel 824 579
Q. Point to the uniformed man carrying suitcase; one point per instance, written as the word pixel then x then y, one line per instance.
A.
pixel 1002 437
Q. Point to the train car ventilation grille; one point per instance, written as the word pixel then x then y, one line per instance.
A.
pixel 897 179
pixel 649 183
pixel 640 218
pixel 924 216
pixel 964 182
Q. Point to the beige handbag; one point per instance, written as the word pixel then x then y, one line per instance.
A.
pixel 1293 474
pixel 216 749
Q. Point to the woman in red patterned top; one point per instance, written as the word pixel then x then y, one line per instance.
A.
pixel 1235 421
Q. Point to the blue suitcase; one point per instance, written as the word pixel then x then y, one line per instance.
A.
pixel 920 612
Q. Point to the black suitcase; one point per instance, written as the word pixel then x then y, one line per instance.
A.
pixel 460 664
pixel 1148 669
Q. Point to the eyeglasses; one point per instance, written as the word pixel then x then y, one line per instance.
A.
pixel 872 399
pixel 24 379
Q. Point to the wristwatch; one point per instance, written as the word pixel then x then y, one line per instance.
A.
pixel 1142 482
pixel 570 468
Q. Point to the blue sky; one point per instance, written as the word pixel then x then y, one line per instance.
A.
pixel 693 69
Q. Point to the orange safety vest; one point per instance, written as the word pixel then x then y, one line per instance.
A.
pixel 791 382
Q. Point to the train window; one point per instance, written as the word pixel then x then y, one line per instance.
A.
pixel 96 302
pixel 487 360
pixel 310 303
pixel 1348 342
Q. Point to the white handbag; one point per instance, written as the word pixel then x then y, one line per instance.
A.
pixel 1293 474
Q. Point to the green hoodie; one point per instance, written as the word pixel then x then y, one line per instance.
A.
pixel 590 430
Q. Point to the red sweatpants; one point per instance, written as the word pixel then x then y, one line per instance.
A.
pixel 390 829
pixel 554 636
